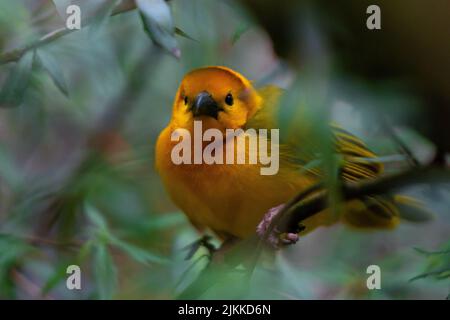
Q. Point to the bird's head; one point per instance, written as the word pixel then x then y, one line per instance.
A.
pixel 218 96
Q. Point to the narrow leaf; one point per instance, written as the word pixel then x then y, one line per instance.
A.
pixel 167 220
pixel 183 34
pixel 240 30
pixel 57 277
pixel 429 274
pixel 105 272
pixel 137 253
pixel 49 63
pixel 431 253
pixel 157 21
pixel 96 217
pixel 16 83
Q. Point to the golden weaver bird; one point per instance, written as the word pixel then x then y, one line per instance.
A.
pixel 231 199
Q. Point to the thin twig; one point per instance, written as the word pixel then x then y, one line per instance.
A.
pixel 16 54
pixel 39 241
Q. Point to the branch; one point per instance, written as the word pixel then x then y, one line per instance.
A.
pixel 16 54
pixel 295 213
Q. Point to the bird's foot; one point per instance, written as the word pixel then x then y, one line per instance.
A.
pixel 205 242
pixel 276 238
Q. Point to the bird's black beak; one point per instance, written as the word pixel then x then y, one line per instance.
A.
pixel 205 105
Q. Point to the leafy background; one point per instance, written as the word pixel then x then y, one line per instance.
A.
pixel 78 124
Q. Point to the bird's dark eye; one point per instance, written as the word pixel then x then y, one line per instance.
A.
pixel 229 99
pixel 185 100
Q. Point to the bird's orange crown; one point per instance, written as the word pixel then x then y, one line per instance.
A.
pixel 218 96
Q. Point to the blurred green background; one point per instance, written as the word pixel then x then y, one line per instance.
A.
pixel 77 177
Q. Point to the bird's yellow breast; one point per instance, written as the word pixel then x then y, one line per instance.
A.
pixel 230 199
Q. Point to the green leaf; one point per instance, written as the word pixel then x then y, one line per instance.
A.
pixel 137 253
pixel 12 250
pixel 439 274
pixel 60 272
pixel 56 278
pixel 240 30
pixel 96 217
pixel 85 250
pixel 164 221
pixel 105 272
pixel 431 253
pixel 183 34
pixel 158 23
pixel 16 83
pixel 49 63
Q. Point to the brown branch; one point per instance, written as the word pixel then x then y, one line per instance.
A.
pixel 33 240
pixel 298 212
pixel 38 241
pixel 277 220
pixel 16 54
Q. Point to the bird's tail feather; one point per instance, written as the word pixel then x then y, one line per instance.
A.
pixel 383 212
pixel 412 209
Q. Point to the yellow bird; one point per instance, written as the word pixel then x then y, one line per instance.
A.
pixel 232 199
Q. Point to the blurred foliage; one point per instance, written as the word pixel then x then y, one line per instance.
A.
pixel 78 124
pixel 438 264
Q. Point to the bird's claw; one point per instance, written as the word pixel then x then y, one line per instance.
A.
pixel 275 238
pixel 289 238
pixel 205 242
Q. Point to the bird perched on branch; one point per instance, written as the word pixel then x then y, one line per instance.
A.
pixel 232 199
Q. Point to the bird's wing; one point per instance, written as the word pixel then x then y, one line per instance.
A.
pixel 357 163
pixel 296 148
